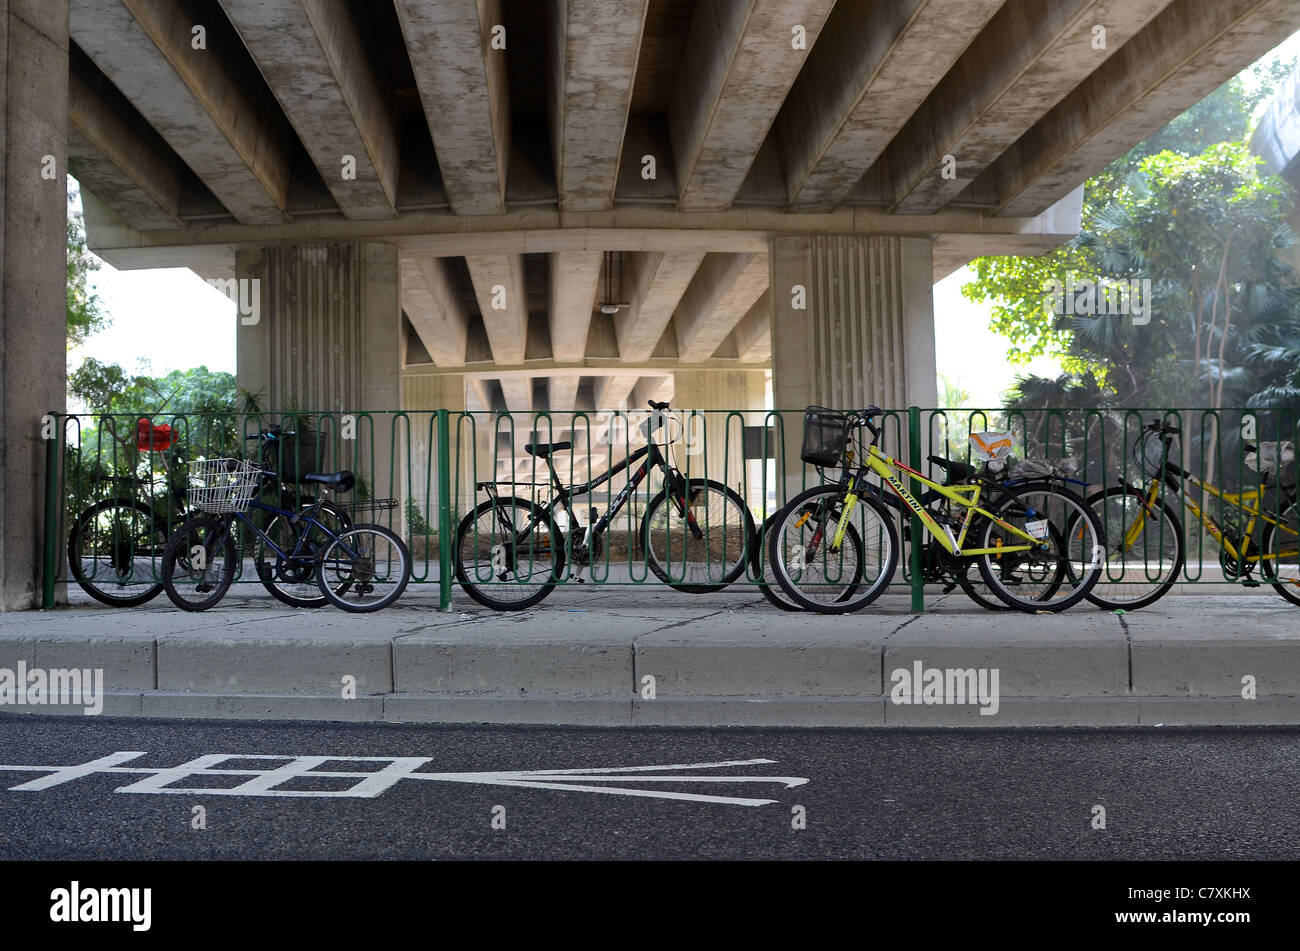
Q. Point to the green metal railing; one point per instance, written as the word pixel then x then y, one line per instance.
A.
pixel 433 462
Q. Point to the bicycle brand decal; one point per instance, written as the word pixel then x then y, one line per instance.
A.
pixel 280 773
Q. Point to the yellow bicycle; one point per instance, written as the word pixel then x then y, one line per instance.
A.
pixel 1019 542
pixel 1148 549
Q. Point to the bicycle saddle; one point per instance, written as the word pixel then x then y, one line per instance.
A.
pixel 957 471
pixel 544 449
pixel 341 481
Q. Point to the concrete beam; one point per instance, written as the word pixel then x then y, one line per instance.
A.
pixel 518 393
pixel 593 57
pixel 573 289
pixel 311 55
pixel 466 96
pixel 657 283
pixel 202 102
pixel 116 154
pixel 753 334
pixel 502 302
pixel 875 66
pixel 613 390
pixel 739 64
pixel 1028 58
pixel 1184 54
pixel 723 291
pixel 434 310
pixel 563 394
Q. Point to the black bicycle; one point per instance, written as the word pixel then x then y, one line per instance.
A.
pixel 115 546
pixel 697 535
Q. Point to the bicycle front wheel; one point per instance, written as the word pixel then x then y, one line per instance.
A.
pixel 819 577
pixel 114 549
pixel 1281 553
pixel 199 563
pixel 700 542
pixel 1060 569
pixel 365 569
pixel 771 588
pixel 1144 549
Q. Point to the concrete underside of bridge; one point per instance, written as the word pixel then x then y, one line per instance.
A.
pixel 565 205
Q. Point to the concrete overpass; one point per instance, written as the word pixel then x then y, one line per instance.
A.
pixel 522 205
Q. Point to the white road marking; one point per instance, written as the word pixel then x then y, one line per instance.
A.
pixel 282 769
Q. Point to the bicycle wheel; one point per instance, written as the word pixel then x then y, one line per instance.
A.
pixel 113 551
pixel 1144 549
pixel 295 582
pixel 972 585
pixel 509 554
pixel 365 569
pixel 1045 578
pixel 701 542
pixel 771 588
pixel 826 581
pixel 199 563
pixel 1280 545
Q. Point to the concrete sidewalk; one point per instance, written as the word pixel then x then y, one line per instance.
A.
pixel 584 656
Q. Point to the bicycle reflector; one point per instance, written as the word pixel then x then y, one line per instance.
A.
pixel 151 438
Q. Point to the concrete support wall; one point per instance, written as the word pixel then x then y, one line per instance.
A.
pixel 717 439
pixel 422 396
pixel 33 327
pixel 865 332
pixel 327 339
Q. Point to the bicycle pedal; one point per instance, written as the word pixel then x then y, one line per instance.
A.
pixel 1251 583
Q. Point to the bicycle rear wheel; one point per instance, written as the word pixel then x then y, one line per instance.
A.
pixel 114 551
pixel 199 563
pixel 828 581
pixel 1046 578
pixel 365 569
pixel 509 554
pixel 1280 547
pixel 295 582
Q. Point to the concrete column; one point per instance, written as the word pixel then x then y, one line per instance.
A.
pixel 326 338
pixel 715 441
pixel 33 326
pixel 422 396
pixel 852 326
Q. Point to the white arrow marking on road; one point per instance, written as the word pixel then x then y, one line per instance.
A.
pixel 371 783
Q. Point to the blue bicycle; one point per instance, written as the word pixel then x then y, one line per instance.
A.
pixel 359 568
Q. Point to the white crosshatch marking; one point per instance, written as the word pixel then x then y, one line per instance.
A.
pixel 187 778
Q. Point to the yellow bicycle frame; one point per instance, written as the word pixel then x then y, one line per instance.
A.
pixel 967 496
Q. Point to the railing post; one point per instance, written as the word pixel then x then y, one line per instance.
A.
pixel 918 530
pixel 50 568
pixel 444 512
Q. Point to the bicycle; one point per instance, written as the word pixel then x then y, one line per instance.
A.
pixel 696 534
pixel 1020 542
pixel 1149 532
pixel 362 568
pixel 114 545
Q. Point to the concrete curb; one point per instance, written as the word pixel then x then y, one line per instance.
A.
pixel 702 662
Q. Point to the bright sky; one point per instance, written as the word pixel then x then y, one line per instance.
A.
pixel 170 319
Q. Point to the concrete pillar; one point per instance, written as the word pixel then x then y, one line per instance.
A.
pixel 326 338
pixel 422 396
pixel 33 326
pixel 715 440
pixel 852 326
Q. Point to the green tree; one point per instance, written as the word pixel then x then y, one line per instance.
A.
pixel 85 310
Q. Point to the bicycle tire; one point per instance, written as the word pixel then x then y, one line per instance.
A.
pixel 82 530
pixel 1289 586
pixel 762 567
pixel 474 586
pixel 737 512
pixel 1102 595
pixel 1014 508
pixel 207 533
pixel 361 570
pixel 805 504
pixel 272 575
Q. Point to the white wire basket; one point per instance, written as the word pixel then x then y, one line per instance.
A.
pixel 218 486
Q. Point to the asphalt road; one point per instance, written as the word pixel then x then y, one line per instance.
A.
pixel 897 794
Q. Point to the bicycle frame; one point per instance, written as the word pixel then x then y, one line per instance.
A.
pixel 1238 500
pixel 967 496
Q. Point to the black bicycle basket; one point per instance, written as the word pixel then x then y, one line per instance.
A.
pixel 825 436
pixel 294 455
